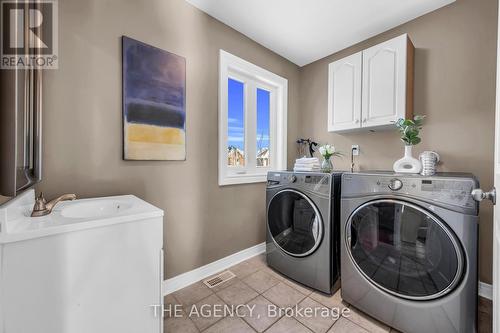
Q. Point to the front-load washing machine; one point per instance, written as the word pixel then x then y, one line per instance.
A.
pixel 409 250
pixel 303 227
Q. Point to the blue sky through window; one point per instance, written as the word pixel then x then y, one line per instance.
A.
pixel 262 119
pixel 236 122
pixel 235 117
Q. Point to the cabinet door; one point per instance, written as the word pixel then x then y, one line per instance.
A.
pixel 344 93
pixel 384 82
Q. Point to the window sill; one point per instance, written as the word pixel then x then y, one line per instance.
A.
pixel 242 179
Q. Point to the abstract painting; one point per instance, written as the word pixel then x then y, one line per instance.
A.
pixel 154 103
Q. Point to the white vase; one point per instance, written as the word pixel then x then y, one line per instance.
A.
pixel 407 164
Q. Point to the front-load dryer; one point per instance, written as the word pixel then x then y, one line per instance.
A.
pixel 303 227
pixel 409 250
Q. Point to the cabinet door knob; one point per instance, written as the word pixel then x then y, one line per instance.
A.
pixel 356 121
pixel 364 120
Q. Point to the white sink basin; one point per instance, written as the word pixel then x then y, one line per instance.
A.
pixel 99 208
pixel 16 223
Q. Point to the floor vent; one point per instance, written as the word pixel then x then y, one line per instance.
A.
pixel 219 279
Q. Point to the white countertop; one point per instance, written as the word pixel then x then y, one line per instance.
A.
pixel 16 224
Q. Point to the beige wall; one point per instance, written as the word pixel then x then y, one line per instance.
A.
pixel 455 64
pixel 83 124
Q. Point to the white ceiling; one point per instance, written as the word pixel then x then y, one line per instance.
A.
pixel 303 31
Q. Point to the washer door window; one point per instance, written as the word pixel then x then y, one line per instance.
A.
pixel 404 250
pixel 294 223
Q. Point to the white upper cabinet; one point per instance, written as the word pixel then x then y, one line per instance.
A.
pixel 380 93
pixel 344 98
pixel 385 76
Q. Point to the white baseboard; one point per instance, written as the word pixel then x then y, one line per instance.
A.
pixel 485 290
pixel 185 279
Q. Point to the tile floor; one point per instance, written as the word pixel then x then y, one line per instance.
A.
pixel 257 285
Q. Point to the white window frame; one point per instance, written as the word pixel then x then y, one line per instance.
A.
pixel 254 77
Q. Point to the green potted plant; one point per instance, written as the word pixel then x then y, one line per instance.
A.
pixel 410 131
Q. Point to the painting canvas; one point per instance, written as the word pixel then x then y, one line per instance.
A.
pixel 154 103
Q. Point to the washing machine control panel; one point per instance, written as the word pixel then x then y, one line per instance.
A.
pixel 311 182
pixel 455 191
pixel 395 184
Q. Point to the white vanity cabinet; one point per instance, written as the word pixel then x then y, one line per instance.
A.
pixel 91 266
pixel 372 88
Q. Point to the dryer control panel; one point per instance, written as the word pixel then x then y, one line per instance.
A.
pixel 450 189
pixel 313 182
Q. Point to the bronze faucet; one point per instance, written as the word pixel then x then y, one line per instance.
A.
pixel 42 207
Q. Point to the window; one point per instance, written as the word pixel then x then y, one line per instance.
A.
pixel 252 121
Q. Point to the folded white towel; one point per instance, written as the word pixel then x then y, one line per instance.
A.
pixel 306 164
pixel 297 168
pixel 307 160
pixel 306 167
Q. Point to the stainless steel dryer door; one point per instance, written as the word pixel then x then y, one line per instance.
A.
pixel 294 223
pixel 404 249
